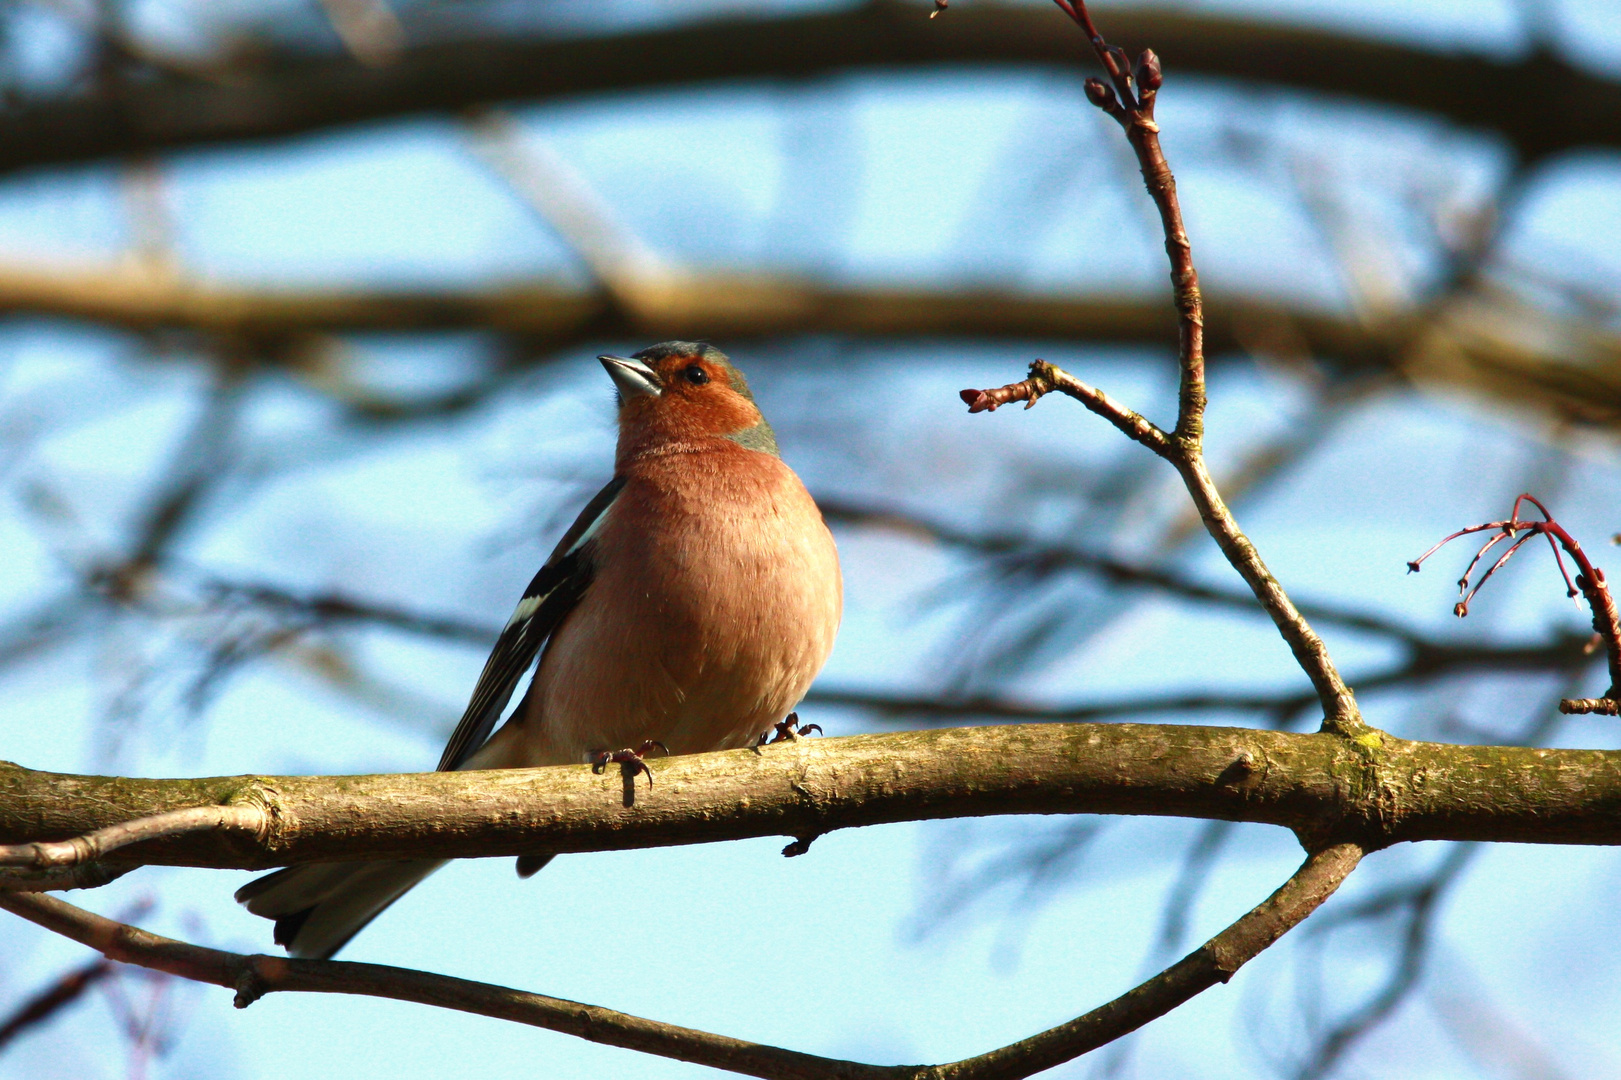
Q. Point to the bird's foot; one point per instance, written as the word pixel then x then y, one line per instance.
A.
pixel 787 730
pixel 629 760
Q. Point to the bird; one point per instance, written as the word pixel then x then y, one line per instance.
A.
pixel 688 608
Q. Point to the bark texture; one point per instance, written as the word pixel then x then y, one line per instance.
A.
pixel 1372 789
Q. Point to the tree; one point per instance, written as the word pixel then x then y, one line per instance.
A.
pixel 1345 790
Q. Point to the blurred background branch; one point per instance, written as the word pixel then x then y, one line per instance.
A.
pixel 296 297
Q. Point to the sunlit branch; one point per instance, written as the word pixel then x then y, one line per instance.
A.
pixel 1380 790
pixel 41 858
pixel 1129 97
pixel 254 976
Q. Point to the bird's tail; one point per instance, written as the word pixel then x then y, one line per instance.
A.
pixel 318 908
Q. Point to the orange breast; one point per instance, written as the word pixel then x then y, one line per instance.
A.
pixel 715 603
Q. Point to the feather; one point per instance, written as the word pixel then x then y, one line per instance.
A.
pixel 318 908
pixel 556 588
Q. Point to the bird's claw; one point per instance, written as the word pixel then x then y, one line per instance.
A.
pixel 787 729
pixel 630 760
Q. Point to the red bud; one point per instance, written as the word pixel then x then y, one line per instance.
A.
pixel 1149 76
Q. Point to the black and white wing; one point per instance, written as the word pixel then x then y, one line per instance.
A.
pixel 550 596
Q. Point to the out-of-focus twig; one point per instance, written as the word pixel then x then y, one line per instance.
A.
pixel 617 258
pixel 61 993
pixel 1022 551
pixel 369 29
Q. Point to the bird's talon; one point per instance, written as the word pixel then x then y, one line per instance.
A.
pixel 788 730
pixel 628 759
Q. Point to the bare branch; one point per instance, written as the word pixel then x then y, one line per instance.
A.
pixel 1215 961
pixel 616 257
pixel 1024 551
pixel 1129 97
pixel 369 29
pixel 251 977
pixel 1418 904
pixel 254 976
pixel 1044 378
pixel 1486 344
pixel 1377 789
pixel 1596 706
pixel 46 856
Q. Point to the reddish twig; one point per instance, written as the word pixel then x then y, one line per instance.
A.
pixel 1044 378
pixel 254 976
pixel 1589 583
pixel 1129 97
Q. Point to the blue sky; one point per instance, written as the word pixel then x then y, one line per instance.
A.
pixel 843 951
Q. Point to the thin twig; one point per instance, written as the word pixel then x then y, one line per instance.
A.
pixel 1598 706
pixel 1129 98
pixel 1044 378
pixel 1589 583
pixel 254 976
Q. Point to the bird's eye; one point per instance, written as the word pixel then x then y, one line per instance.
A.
pixel 696 375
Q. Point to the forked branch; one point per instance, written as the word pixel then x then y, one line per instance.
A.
pixel 1129 97
pixel 75 863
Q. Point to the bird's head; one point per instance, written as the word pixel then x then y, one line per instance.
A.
pixel 681 393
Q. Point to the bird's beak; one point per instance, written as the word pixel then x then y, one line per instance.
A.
pixel 634 378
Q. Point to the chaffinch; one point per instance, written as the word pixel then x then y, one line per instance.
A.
pixel 689 606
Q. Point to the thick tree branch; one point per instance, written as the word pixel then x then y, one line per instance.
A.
pixel 1374 789
pixel 1527 100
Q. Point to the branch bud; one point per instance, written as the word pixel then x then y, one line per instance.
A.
pixel 1100 94
pixel 1148 74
